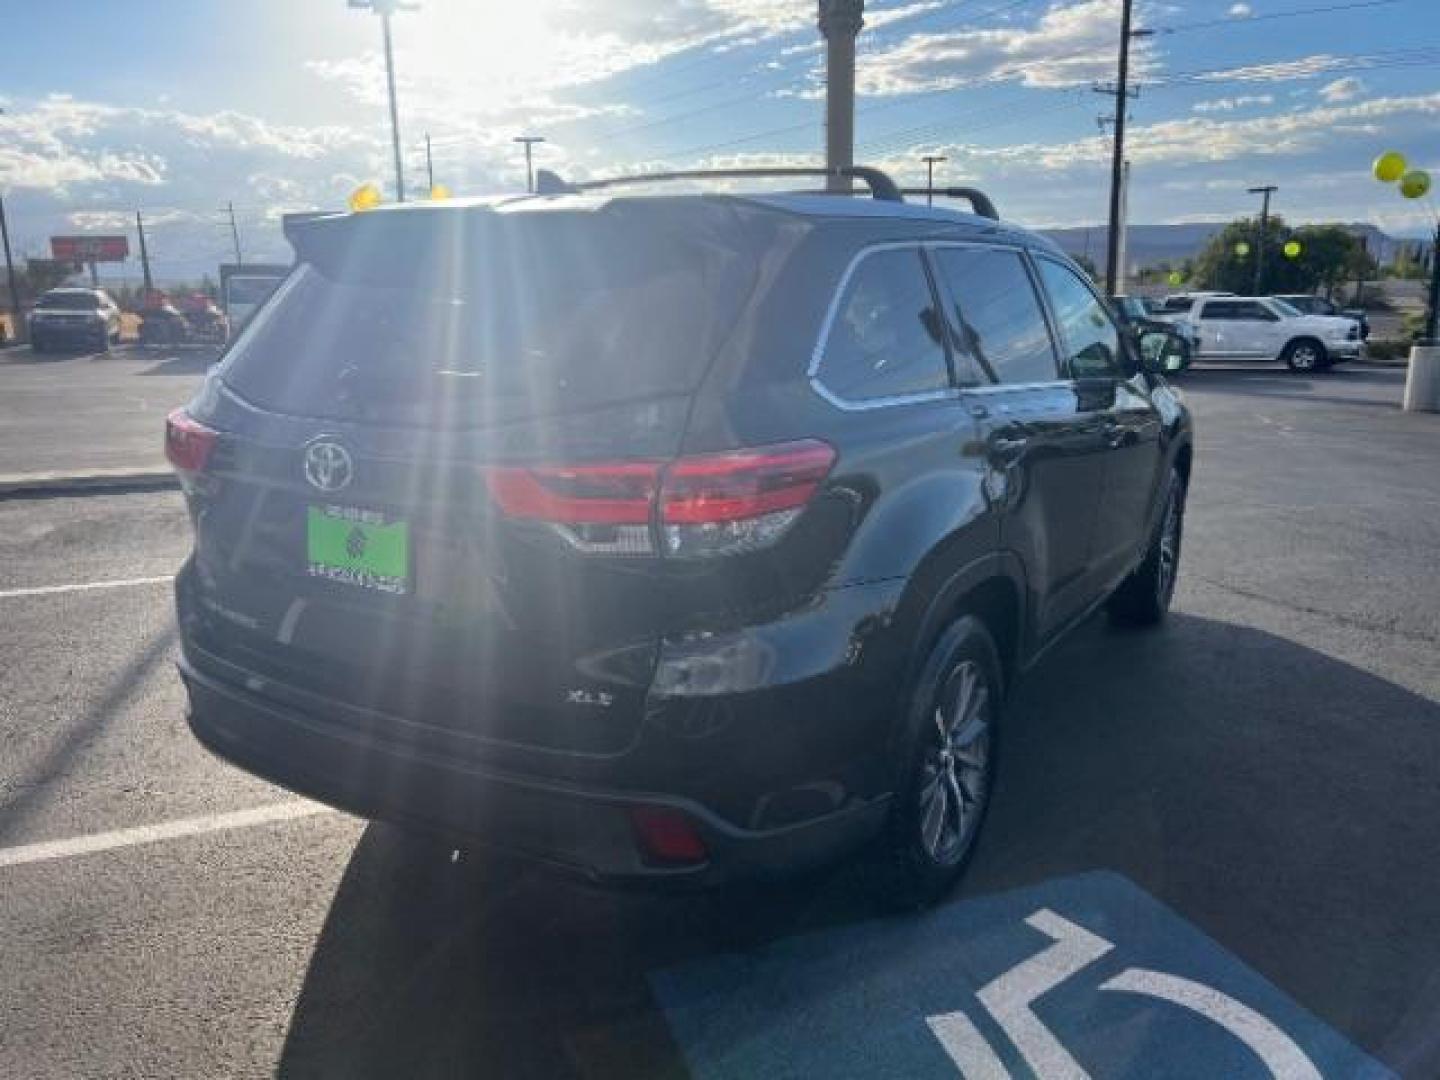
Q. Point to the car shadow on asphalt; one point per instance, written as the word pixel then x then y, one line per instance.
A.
pixel 1281 800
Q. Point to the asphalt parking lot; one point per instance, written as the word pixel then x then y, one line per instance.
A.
pixel 1245 800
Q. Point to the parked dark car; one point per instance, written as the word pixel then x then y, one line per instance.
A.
pixel 668 539
pixel 74 318
pixel 1307 304
pixel 1136 315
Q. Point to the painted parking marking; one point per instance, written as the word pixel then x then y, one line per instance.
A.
pixel 1079 977
pixel 49 850
pixel 84 586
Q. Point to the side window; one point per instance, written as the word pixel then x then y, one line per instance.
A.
pixel 1255 312
pixel 1225 310
pixel 1090 335
pixel 998 317
pixel 886 338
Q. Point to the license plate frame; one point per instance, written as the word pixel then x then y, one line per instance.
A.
pixel 360 548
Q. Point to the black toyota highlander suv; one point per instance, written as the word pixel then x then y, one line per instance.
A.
pixel 672 538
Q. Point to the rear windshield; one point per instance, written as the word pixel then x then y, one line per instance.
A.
pixel 69 301
pixel 474 316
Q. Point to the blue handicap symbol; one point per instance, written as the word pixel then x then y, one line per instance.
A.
pixel 1084 976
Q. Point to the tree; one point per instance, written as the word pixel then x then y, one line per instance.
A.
pixel 1328 256
pixel 1331 256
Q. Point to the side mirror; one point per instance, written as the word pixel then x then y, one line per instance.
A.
pixel 1163 353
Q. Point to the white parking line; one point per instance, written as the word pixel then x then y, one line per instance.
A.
pixel 169 830
pixel 83 586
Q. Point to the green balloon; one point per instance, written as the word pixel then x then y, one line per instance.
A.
pixel 1242 249
pixel 1389 166
pixel 1415 184
pixel 1176 278
pixel 1293 249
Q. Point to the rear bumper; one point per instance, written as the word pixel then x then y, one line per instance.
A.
pixel 583 830
pixel 74 333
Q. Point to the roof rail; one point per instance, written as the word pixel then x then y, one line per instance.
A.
pixel 881 186
pixel 978 200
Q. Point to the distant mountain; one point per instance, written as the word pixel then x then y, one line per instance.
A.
pixel 1152 244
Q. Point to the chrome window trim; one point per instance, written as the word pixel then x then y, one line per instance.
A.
pixel 832 312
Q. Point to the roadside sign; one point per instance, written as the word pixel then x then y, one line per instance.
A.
pixel 1079 977
pixel 89 249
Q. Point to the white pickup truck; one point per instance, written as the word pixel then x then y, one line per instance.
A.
pixel 1264 328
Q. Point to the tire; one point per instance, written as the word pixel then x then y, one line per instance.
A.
pixel 1143 598
pixel 1304 355
pixel 102 343
pixel 39 345
pixel 946 759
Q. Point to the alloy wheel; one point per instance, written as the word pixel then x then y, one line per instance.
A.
pixel 956 767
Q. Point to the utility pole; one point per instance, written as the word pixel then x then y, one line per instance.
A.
pixel 931 160
pixel 234 234
pixel 529 141
pixel 1432 307
pixel 840 22
pixel 1266 191
pixel 385 9
pixel 1117 158
pixel 1123 243
pixel 144 254
pixel 429 162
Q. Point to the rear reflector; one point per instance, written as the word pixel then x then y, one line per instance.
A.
pixel 187 442
pixel 703 505
pixel 667 836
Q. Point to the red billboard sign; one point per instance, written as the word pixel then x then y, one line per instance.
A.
pixel 90 249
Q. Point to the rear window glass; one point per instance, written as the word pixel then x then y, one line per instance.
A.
pixel 69 301
pixel 410 317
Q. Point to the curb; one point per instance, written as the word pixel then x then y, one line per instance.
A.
pixel 101 480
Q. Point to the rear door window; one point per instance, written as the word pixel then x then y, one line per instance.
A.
pixel 886 338
pixel 998 318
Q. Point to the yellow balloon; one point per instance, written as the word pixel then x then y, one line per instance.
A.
pixel 1415 184
pixel 1389 166
pixel 1293 249
pixel 1242 249
pixel 364 197
pixel 439 191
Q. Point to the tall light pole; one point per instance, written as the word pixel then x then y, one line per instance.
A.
pixel 931 160
pixel 529 141
pixel 1117 158
pixel 386 8
pixel 1265 192
pixel 840 23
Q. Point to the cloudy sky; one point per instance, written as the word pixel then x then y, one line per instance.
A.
pixel 178 108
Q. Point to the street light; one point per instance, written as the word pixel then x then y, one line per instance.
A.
pixel 529 141
pixel 386 8
pixel 931 160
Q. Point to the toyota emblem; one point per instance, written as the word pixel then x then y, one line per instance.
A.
pixel 328 465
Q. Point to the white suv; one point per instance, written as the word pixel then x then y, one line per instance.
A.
pixel 1264 328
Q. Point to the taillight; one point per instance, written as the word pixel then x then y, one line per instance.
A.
pixel 187 443
pixel 704 505
pixel 722 504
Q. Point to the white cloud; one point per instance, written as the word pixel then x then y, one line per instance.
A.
pixel 1230 104
pixel 1346 89
pixel 1240 11
pixel 1281 71
pixel 1069 45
